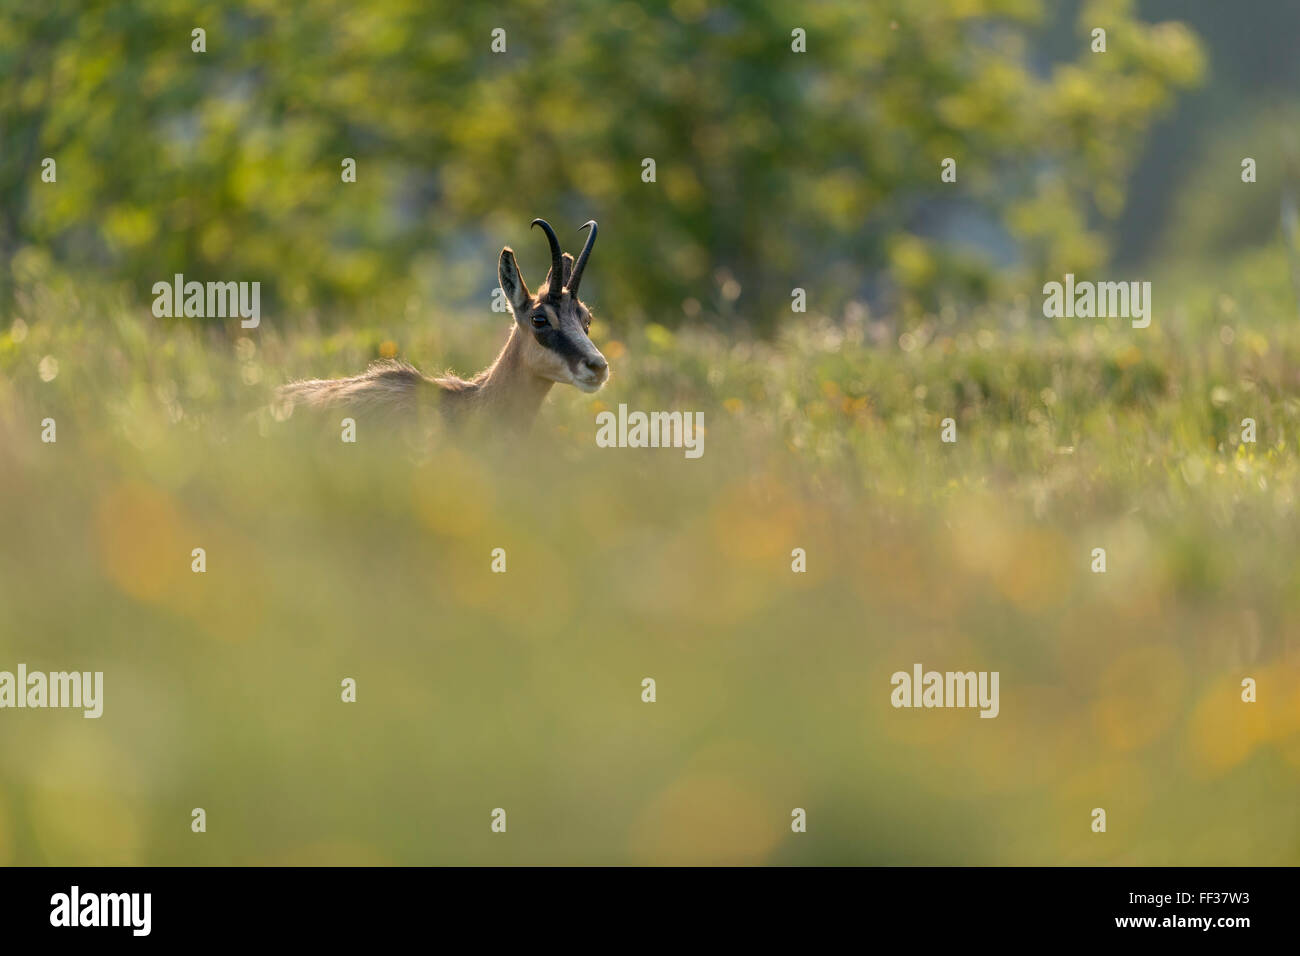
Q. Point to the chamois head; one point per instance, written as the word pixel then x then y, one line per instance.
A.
pixel 554 325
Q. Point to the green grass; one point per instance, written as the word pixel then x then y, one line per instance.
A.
pixel 522 690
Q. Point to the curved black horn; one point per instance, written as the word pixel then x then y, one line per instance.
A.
pixel 557 260
pixel 582 257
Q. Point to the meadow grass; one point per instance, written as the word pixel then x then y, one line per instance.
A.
pixel 522 690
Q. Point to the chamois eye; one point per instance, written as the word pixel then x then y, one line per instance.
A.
pixel 539 321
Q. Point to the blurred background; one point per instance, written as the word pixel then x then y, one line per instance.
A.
pixel 774 170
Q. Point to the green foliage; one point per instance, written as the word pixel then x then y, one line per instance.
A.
pixel 776 169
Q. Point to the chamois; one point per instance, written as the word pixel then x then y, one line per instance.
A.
pixel 549 342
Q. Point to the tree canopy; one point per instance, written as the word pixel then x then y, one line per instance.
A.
pixel 774 168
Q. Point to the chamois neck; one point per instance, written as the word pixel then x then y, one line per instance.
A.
pixel 509 387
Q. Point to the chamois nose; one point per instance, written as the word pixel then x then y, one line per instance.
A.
pixel 596 365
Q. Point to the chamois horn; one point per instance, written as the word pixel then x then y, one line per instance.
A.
pixel 557 259
pixel 578 266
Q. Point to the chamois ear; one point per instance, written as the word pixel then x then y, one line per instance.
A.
pixel 551 288
pixel 512 281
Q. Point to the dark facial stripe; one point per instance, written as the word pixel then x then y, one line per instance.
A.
pixel 563 344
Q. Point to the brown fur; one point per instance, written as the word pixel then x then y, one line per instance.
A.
pixel 510 390
pixel 503 389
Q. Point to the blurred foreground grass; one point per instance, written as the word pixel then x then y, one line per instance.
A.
pixel 522 691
